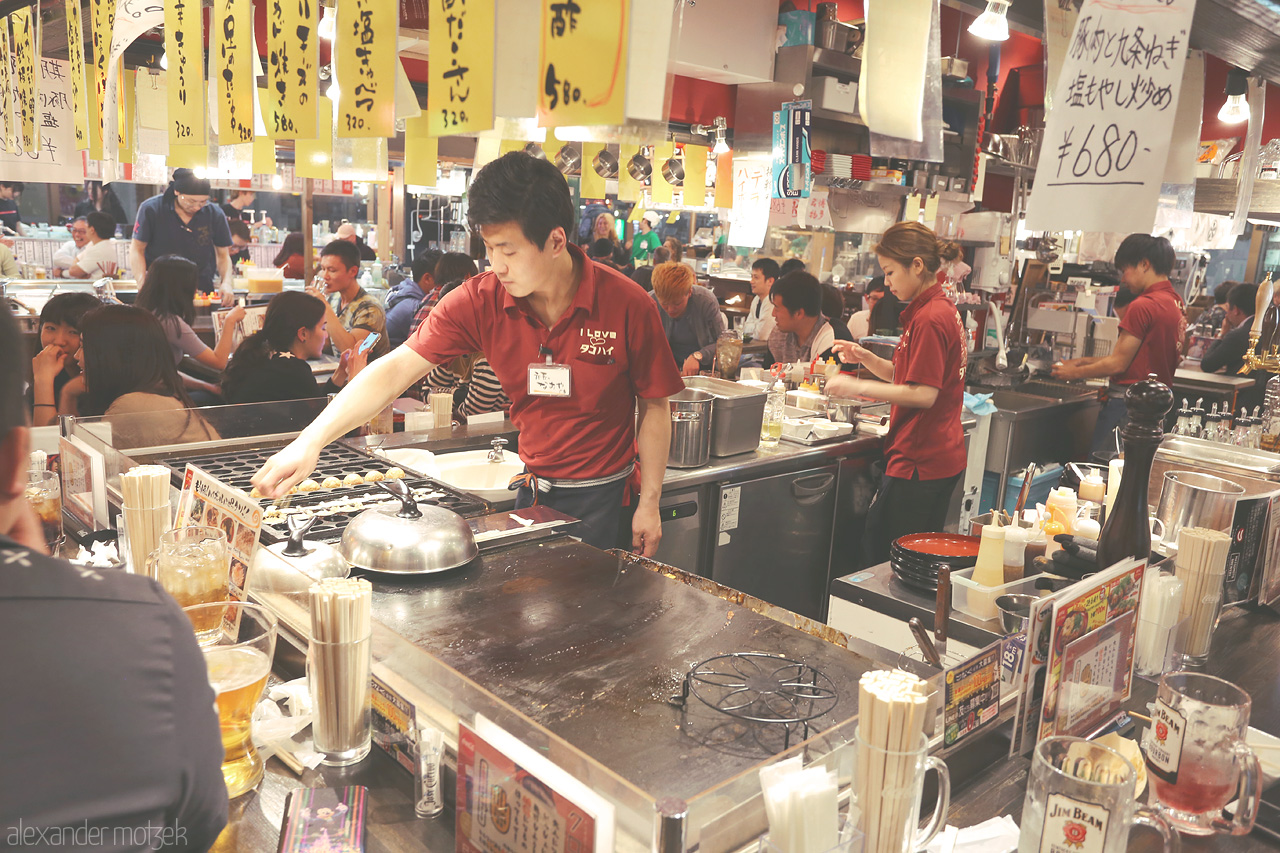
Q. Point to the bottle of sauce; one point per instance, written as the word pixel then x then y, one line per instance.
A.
pixel 1092 489
pixel 1061 507
pixel 1127 532
pixel 1015 546
pixel 988 572
pixel 1036 546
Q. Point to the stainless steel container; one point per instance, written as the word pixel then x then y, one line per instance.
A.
pixel 843 411
pixel 738 412
pixel 1188 499
pixel 690 429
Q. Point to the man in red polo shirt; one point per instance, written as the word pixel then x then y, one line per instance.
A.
pixel 1151 333
pixel 575 345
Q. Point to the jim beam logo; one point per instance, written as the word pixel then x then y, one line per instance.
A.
pixel 1072 826
pixel 1163 744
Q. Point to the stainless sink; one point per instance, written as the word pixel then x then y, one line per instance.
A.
pixel 1016 401
pixel 1055 390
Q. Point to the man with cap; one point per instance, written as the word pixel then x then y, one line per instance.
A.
pixel 347 231
pixel 181 221
pixel 647 240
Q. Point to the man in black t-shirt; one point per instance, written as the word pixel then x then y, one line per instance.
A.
pixel 111 739
pixel 9 216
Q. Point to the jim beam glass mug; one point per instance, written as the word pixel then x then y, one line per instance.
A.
pixel 1081 799
pixel 1197 757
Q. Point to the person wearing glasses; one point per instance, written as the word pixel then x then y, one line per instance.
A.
pixel 65 257
pixel 181 221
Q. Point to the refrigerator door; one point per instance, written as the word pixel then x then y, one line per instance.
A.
pixel 773 538
pixel 682 520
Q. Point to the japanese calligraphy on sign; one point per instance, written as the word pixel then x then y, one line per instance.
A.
pixel 364 55
pixel 26 31
pixel 183 44
pixel 233 33
pixel 57 160
pixel 101 19
pixel 574 88
pixel 75 49
pixel 460 92
pixel 1107 138
pixel 291 68
pixel 8 129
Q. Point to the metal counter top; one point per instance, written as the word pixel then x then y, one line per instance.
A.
pixel 592 646
pixel 762 462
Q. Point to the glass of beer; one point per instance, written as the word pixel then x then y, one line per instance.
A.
pixel 45 497
pixel 239 661
pixel 1196 754
pixel 193 564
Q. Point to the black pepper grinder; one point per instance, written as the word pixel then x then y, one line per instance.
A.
pixel 1127 532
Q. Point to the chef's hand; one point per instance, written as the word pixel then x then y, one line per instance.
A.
pixel 846 386
pixel 646 530
pixel 227 295
pixel 1068 369
pixel 692 366
pixel 286 469
pixel 851 352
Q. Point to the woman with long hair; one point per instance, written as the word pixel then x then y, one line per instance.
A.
pixel 271 364
pixel 290 257
pixel 924 450
pixel 169 292
pixel 130 379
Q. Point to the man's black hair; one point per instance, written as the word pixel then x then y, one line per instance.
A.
pixel 16 186
pixel 13 413
pixel 426 263
pixel 1244 298
pixel 68 308
pixel 239 228
pixel 768 268
pixel 1222 291
pixel 103 224
pixel 791 265
pixel 348 253
pixel 799 291
pixel 522 189
pixel 876 285
pixel 601 250
pixel 1137 248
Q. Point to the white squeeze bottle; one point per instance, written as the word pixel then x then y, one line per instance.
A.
pixel 1092 488
pixel 988 571
pixel 1061 507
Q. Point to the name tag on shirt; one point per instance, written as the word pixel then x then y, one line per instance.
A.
pixel 550 380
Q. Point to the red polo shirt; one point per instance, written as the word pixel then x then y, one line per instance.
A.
pixel 610 337
pixel 929 443
pixel 1158 319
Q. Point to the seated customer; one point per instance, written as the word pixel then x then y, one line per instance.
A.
pixel 55 365
pixel 690 316
pixel 169 293
pixel 111 731
pixel 801 333
pixel 885 317
pixel 453 268
pixel 8 263
pixel 602 252
pixel 271 364
pixel 353 314
pixel 403 299
pixel 66 254
pixel 833 310
pixel 1227 352
pixel 643 276
pixel 98 258
pixel 860 323
pixel 240 240
pixel 127 371
pixel 484 392
pixel 289 258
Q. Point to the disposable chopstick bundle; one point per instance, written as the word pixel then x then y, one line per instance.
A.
pixel 891 716
pixel 341 620
pixel 1158 614
pixel 1200 564
pixel 145 489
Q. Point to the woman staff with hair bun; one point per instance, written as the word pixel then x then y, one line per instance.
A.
pixel 924 455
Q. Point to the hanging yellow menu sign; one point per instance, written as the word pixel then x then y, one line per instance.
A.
pixel 102 18
pixel 364 54
pixel 183 45
pixel 313 158
pixel 291 69
pixel 628 187
pixel 128 114
pixel 232 24
pixel 695 175
pixel 460 87
pixel 582 63
pixel 8 140
pixel 658 186
pixel 724 180
pixel 24 46
pixel 75 49
pixel 421 152
pixel 591 185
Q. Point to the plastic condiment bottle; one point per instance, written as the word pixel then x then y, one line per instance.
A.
pixel 1035 547
pixel 1061 507
pixel 1092 488
pixel 1015 544
pixel 989 570
pixel 1115 471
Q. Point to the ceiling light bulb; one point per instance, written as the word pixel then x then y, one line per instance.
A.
pixel 326 28
pixel 721 147
pixel 332 92
pixel 164 62
pixel 277 182
pixel 1235 110
pixel 992 24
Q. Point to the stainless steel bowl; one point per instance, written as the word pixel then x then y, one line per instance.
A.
pixel 843 411
pixel 1015 612
pixel 673 172
pixel 568 158
pixel 639 167
pixel 605 163
pixel 409 540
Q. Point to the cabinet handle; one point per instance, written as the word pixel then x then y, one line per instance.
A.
pixel 807 495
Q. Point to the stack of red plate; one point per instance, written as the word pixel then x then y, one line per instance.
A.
pixel 860 167
pixel 915 558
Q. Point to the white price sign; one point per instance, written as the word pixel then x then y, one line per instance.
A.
pixel 1107 139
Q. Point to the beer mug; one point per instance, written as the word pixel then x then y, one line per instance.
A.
pixel 193 565
pixel 238 659
pixel 889 787
pixel 44 494
pixel 1196 754
pixel 1081 796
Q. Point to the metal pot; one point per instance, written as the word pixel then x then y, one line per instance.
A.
pixel 605 163
pixel 690 428
pixel 673 172
pixel 568 158
pixel 299 564
pixel 411 540
pixel 843 411
pixel 639 167
pixel 1189 499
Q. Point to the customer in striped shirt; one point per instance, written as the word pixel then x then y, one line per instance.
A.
pixel 483 391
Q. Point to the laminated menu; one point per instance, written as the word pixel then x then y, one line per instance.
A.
pixel 207 501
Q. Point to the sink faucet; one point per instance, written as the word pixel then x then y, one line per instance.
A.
pixel 495 455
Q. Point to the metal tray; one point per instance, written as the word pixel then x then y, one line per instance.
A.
pixel 814 442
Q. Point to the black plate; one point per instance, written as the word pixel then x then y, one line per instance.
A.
pixel 907 558
pixel 916 584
